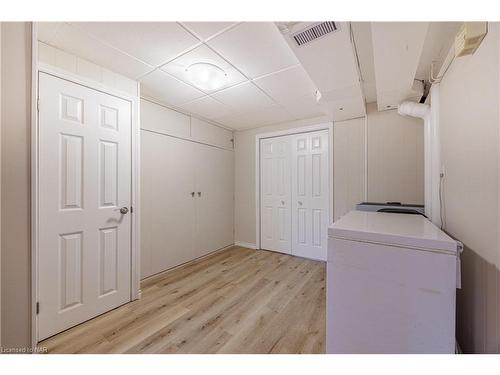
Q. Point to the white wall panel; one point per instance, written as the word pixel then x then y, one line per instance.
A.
pixel 205 132
pixel 74 64
pixel 349 165
pixel 395 157
pixel 470 154
pixel 163 120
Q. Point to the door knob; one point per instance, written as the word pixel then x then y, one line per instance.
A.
pixel 192 193
pixel 300 203
pixel 124 210
pixel 199 193
pixel 282 203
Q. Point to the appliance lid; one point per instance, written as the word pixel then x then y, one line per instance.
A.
pixel 414 231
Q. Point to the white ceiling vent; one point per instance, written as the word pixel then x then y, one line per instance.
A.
pixel 314 31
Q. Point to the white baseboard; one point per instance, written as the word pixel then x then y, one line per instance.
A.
pixel 245 244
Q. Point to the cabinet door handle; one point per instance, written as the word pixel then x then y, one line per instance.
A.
pixel 192 193
pixel 199 193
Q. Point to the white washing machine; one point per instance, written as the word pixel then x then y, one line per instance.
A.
pixel 391 285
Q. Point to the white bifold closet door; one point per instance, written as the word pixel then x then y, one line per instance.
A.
pixel 187 201
pixel 84 250
pixel 294 191
pixel 275 192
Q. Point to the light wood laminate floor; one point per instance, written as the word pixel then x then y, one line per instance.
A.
pixel 234 301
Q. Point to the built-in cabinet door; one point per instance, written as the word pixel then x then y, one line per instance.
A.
pixel 214 198
pixel 84 179
pixel 187 201
pixel 275 215
pixel 310 189
pixel 168 202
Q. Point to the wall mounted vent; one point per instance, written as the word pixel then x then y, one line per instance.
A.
pixel 314 31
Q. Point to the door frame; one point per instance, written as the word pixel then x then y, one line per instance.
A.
pixel 37 68
pixel 299 130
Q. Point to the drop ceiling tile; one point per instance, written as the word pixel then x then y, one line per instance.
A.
pixel 206 107
pixel 152 42
pixel 168 89
pixel 244 97
pixel 255 48
pixel 347 108
pixel 206 30
pixel 73 40
pixel 304 107
pixel 177 67
pixel 288 85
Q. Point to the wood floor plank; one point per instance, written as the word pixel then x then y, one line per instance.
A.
pixel 233 301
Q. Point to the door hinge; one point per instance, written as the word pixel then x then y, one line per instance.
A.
pixel 38 105
pixel 37 308
pixel 131 209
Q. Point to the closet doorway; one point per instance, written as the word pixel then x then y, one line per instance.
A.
pixel 294 191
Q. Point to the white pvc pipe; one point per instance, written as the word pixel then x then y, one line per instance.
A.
pixel 414 109
pixel 435 151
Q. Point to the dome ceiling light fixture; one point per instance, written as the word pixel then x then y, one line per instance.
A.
pixel 206 76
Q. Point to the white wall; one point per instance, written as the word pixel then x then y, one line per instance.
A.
pixel 161 119
pixel 348 165
pixel 395 157
pixel 15 183
pixel 470 153
pixel 76 65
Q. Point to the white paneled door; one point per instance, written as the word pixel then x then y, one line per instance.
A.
pixel 294 194
pixel 310 190
pixel 275 193
pixel 84 257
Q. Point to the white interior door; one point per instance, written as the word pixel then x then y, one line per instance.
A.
pixel 167 202
pixel 84 264
pixel 275 193
pixel 214 198
pixel 310 194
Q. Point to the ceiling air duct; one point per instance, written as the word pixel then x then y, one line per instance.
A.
pixel 313 32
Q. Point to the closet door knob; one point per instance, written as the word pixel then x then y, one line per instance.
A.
pixel 199 193
pixel 282 203
pixel 192 193
pixel 300 203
